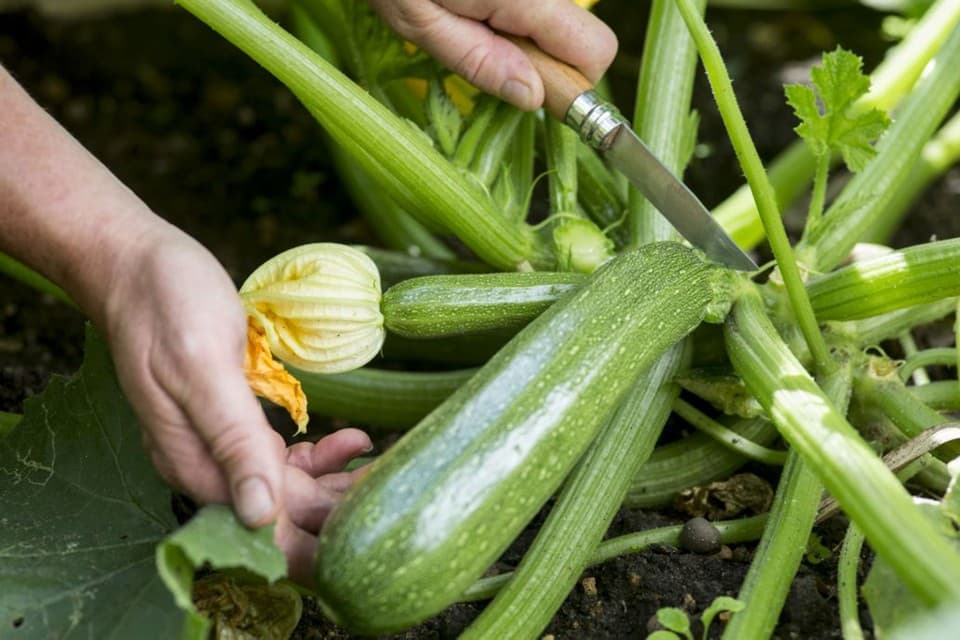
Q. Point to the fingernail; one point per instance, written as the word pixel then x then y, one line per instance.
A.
pixel 254 501
pixel 517 93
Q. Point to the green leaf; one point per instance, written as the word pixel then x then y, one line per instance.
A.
pixel 214 537
pixel 719 605
pixel 82 513
pixel 839 82
pixel 892 605
pixel 660 634
pixel 8 421
pixel 675 620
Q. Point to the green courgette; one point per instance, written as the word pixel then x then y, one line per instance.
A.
pixel 448 305
pixel 437 509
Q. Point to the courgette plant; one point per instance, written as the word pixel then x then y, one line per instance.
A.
pixel 577 329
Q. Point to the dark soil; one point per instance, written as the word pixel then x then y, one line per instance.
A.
pixel 214 144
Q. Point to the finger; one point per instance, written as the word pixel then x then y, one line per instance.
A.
pixel 331 453
pixel 560 27
pixel 309 501
pixel 299 547
pixel 248 451
pixel 467 47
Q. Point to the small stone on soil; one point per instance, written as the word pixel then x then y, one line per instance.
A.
pixel 590 586
pixel 699 536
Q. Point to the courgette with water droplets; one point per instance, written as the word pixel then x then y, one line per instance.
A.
pixel 437 509
pixel 447 305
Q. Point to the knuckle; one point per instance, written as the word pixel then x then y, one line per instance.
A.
pixel 410 19
pixel 477 66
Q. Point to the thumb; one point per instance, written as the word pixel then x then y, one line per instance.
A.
pixel 250 453
pixel 469 48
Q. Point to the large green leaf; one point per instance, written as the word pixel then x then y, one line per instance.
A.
pixel 81 511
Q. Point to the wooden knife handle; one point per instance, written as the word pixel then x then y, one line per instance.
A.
pixel 561 82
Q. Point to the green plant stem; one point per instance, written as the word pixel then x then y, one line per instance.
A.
pixel 522 154
pixel 819 194
pixel 791 171
pixel 779 553
pixel 778 556
pixel 396 154
pixel 727 437
pixel 19 271
pixel 928 357
pixel 866 490
pixel 693 461
pixel 909 346
pixel 498 141
pixel 8 421
pixel 763 192
pixel 938 155
pixel 900 279
pixel 847 593
pixel 378 397
pixel 872 331
pixel 865 198
pixel 660 116
pixel 731 532
pixel 601 194
pixel 585 507
pixel 943 395
pixel 482 117
pixel 561 152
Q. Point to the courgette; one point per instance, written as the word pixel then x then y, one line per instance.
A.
pixel 448 305
pixel 438 508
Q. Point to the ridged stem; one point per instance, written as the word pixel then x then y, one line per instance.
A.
pixel 778 556
pixel 944 356
pixel 847 592
pixel 867 491
pixel 395 153
pixel 760 186
pixel 661 115
pixel 900 279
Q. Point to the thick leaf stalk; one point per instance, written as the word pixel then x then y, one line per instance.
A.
pixel 399 156
pixel 917 275
pixel 868 492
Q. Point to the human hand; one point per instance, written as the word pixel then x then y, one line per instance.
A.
pixel 460 34
pixel 177 332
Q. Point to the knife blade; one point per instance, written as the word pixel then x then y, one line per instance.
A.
pixel 570 98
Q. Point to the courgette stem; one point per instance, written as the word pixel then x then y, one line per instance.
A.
pixel 872 331
pixel 662 107
pixel 21 272
pixel 602 196
pixel 379 397
pixel 491 154
pixel 727 437
pixel 778 556
pixel 817 198
pixel 938 155
pixel 760 186
pixel 394 153
pixel 8 421
pixel 731 532
pixel 791 171
pixel 521 162
pixel 584 509
pixel 909 346
pixel 693 461
pixel 784 541
pixel 865 198
pixel 942 395
pixel 561 154
pixel 916 275
pixel 867 491
pixel 483 115
pixel 847 592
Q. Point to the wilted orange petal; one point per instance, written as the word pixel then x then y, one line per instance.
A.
pixel 270 380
